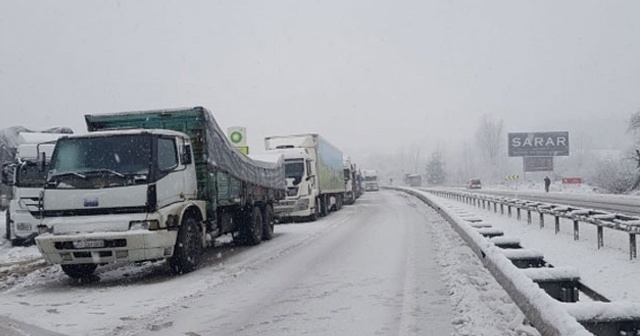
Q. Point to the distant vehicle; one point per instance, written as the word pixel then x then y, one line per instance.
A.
pixel 314 175
pixel 152 185
pixel 27 180
pixel 358 183
pixel 350 193
pixel 413 180
pixel 474 184
pixel 370 179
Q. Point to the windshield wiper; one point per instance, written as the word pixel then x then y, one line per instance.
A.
pixel 84 177
pixel 102 171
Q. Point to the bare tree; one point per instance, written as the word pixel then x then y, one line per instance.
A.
pixel 634 127
pixel 489 138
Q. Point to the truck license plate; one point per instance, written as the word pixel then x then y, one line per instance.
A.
pixel 81 244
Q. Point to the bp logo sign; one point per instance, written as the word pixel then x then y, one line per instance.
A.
pixel 236 137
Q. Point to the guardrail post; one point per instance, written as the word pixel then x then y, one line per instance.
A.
pixel 600 237
pixel 576 230
pixel 509 211
pixel 633 247
pixel 518 215
pixel 528 216
pixel 557 224
pixel 501 209
pixel 541 220
pixel 495 207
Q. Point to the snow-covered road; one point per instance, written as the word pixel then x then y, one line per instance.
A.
pixel 387 265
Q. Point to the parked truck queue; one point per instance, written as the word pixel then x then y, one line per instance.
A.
pixel 164 184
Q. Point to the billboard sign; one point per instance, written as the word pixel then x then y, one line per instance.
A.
pixel 537 163
pixel 539 144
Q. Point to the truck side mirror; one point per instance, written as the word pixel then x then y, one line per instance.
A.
pixel 8 171
pixel 309 177
pixel 42 162
pixel 185 157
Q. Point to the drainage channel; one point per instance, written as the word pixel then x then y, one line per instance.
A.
pixel 567 297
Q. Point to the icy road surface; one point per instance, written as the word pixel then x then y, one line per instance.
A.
pixel 387 265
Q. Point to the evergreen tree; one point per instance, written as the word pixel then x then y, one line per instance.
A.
pixel 435 169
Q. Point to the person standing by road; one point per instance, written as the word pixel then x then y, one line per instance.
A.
pixel 547 183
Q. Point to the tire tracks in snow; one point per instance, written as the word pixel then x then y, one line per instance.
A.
pixel 158 318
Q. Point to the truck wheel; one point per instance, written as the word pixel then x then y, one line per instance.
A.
pixel 249 227
pixel 324 206
pixel 339 202
pixel 8 225
pixel 267 219
pixel 188 250
pixel 79 271
pixel 254 228
pixel 316 211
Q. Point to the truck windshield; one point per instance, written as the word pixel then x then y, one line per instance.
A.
pixel 370 178
pixel 295 170
pixel 347 174
pixel 98 162
pixel 28 175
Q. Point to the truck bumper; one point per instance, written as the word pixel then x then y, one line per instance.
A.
pixel 293 208
pixel 107 247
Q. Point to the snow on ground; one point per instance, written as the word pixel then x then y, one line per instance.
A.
pixel 127 300
pixel 480 305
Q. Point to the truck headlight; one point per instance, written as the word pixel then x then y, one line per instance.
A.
pixel 23 226
pixel 152 224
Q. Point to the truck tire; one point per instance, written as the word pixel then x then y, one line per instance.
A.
pixel 268 222
pixel 188 249
pixel 249 227
pixel 254 229
pixel 8 225
pixel 316 211
pixel 79 271
pixel 339 202
pixel 324 206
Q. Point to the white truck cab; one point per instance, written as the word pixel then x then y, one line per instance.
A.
pixel 314 175
pixel 23 214
pixel 302 191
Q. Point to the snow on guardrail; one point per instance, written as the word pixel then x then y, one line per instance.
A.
pixel 548 316
pixel 601 219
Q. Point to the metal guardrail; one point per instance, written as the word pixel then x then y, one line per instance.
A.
pixel 548 316
pixel 601 219
pixel 548 296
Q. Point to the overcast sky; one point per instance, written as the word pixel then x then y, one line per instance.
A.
pixel 368 75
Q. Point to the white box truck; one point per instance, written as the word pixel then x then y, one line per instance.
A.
pixel 370 178
pixel 314 174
